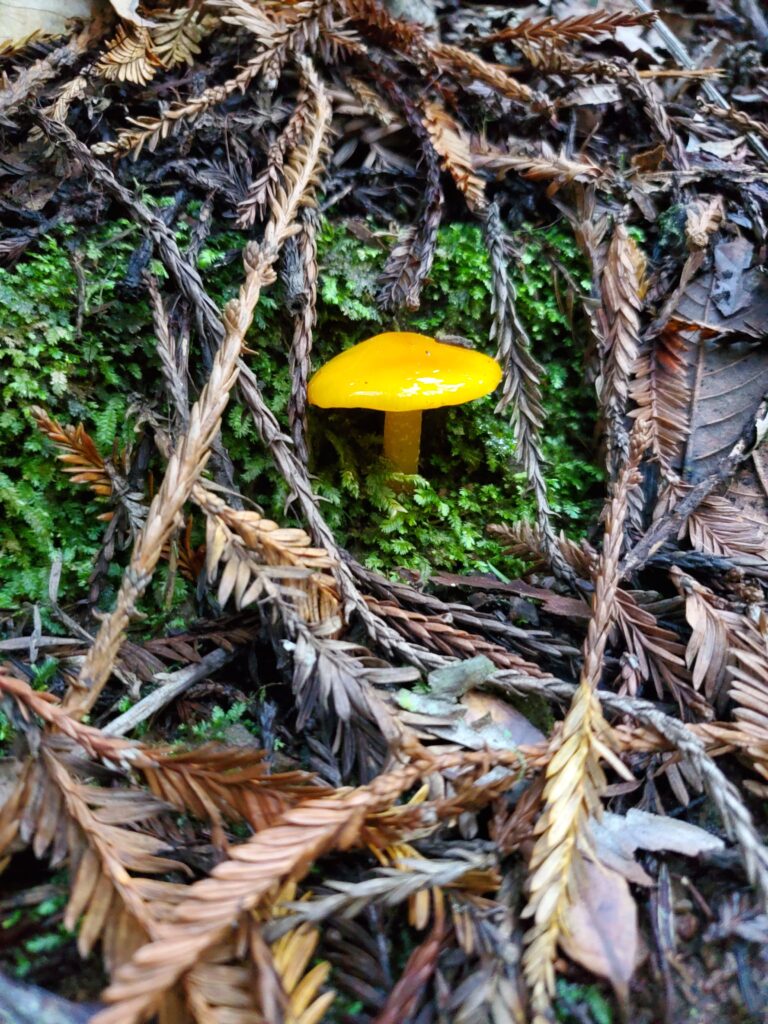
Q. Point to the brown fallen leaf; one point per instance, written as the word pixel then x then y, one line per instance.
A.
pixel 601 926
pixel 642 830
pixel 484 705
pixel 618 836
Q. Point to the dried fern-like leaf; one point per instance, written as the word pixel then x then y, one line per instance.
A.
pixel 718 527
pixel 521 386
pixel 261 191
pixel 292 954
pixel 465 64
pixel 411 259
pixel 280 40
pixel 305 317
pixel 176 36
pixel 391 886
pixel 661 392
pixel 129 57
pixel 622 290
pixel 545 166
pixel 434 633
pixel 252 549
pixel 82 459
pixel 99 833
pixel 215 784
pixel 451 142
pixel 575 778
pixel 237 886
pixel 569 30
pixel 727 652
pixel 658 653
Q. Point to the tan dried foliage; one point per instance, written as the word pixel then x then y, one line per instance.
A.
pixel 102 834
pixel 568 30
pixel 662 395
pixel 658 654
pixel 453 145
pixel 619 319
pixel 462 62
pixel 238 885
pixel 574 774
pixel 261 191
pixel 727 652
pixel 129 57
pixel 176 36
pixel 251 550
pixel 278 40
pixel 543 166
pixel 81 458
pixel 434 633
pixel 718 527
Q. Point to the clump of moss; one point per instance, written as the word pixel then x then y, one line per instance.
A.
pixel 90 366
pixel 469 475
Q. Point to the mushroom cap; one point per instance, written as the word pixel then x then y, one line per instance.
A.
pixel 403 372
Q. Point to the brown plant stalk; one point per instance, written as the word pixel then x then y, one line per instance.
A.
pixel 521 387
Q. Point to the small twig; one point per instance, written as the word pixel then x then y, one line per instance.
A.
pixel 173 684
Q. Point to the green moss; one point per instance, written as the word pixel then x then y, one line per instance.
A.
pixel 468 474
pixel 581 1003
pixel 216 725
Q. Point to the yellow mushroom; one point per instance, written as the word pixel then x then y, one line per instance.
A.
pixel 402 374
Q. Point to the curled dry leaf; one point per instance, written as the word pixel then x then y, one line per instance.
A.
pixel 645 831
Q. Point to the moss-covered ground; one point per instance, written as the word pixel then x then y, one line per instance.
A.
pixel 77 339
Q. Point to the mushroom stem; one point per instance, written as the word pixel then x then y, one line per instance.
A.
pixel 402 440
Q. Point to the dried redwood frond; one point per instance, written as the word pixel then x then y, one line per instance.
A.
pixel 727 652
pixel 176 36
pixel 452 144
pixel 129 57
pixel 463 63
pixel 215 784
pixel 568 30
pixel 82 459
pixel 406 996
pixel 253 550
pixel 575 778
pixel 279 41
pixel 622 290
pixel 411 259
pixel 546 165
pixel 658 652
pixel 718 527
pixel 521 393
pixel 434 633
pixel 186 464
pixel 261 191
pixel 239 885
pixel 661 392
